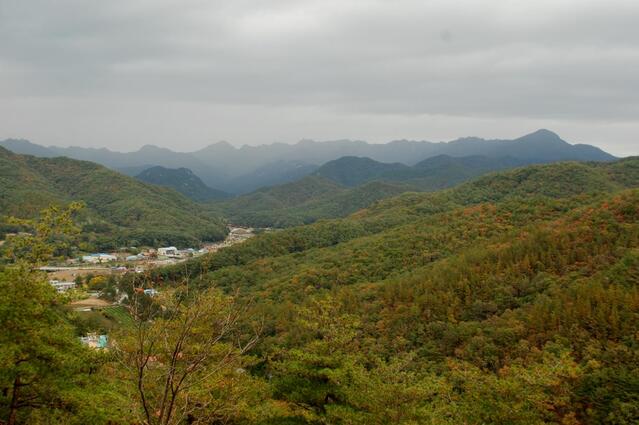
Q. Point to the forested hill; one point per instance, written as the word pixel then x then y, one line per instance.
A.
pixel 521 188
pixel 353 170
pixel 347 184
pixel 182 180
pixel 434 173
pixel 120 209
pixel 509 299
pixel 351 183
pixel 304 201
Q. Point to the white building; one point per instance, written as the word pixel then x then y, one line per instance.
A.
pixel 151 292
pixel 169 251
pixel 62 286
pixel 99 258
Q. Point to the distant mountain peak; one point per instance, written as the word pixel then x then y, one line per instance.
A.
pixel 217 148
pixel 542 135
pixel 221 144
pixel 149 148
pixel 544 132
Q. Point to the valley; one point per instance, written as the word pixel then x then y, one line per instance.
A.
pixel 319 212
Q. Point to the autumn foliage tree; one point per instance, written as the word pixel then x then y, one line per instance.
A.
pixel 183 353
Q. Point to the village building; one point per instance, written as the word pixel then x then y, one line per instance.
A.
pixel 62 286
pixel 169 251
pixel 99 258
pixel 135 257
pixel 94 340
pixel 151 292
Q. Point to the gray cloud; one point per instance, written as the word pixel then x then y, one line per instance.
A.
pixel 129 72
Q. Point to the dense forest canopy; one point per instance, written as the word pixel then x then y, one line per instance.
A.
pixel 517 289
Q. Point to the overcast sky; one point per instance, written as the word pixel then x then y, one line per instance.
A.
pixel 187 73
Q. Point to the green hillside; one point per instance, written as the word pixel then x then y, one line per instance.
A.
pixel 348 184
pixel 120 209
pixel 354 171
pixel 444 171
pixel 304 201
pixel 509 299
pixel 434 173
pixel 522 189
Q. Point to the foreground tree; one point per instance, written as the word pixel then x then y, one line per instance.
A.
pixel 51 233
pixel 37 348
pixel 45 373
pixel 185 355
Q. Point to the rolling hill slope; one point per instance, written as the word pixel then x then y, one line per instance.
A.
pixel 433 173
pixel 353 171
pixel 517 286
pixel 302 202
pixel 120 209
pixel 523 189
pixel 356 183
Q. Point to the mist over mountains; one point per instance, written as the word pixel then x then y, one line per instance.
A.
pixel 240 170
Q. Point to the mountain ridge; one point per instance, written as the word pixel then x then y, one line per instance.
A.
pixel 220 165
pixel 182 180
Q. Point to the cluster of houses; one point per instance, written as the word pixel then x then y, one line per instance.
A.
pixel 161 253
pixel 169 253
pixel 236 235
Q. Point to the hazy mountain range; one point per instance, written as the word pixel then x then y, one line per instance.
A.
pixel 240 170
